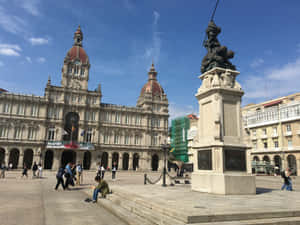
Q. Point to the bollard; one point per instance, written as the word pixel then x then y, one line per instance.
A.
pixel 145 179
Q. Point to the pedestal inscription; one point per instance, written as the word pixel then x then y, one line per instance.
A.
pixel 204 160
pixel 235 160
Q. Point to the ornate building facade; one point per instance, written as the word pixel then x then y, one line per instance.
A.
pixel 273 132
pixel 71 124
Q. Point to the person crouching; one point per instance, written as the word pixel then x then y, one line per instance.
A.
pixel 102 187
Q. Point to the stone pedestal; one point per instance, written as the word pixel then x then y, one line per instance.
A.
pixel 219 154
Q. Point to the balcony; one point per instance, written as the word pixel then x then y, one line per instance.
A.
pixel 288 133
pixel 264 136
pixel 253 138
pixel 274 135
pixel 69 145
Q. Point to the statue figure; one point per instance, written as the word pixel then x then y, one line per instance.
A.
pixel 217 55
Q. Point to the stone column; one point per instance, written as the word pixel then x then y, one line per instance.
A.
pixel 56 159
pixel 6 157
pixel 298 167
pixel 36 156
pixel 120 164
pixel 95 160
pixel 79 157
pixel 21 158
pixel 109 159
pixel 130 161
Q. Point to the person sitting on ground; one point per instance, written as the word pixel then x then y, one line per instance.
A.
pixel 102 187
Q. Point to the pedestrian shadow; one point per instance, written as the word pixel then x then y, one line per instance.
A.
pixel 263 190
pixel 76 188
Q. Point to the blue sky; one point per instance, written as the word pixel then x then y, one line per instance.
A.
pixel 122 37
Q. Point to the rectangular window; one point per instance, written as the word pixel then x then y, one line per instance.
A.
pixel 254 143
pixel 18 133
pixel 117 119
pixel 155 139
pixel 290 144
pixel 276 145
pixel 69 69
pixel 288 127
pixel 265 145
pixel 254 132
pixel 116 140
pixel 107 117
pixel 88 135
pixel 31 133
pixel 34 110
pixel 93 116
pixel 264 131
pixel 76 69
pixel 6 107
pixel 126 119
pixel 274 130
pixel 126 140
pixel 82 72
pixel 136 140
pixel 51 134
pixel 106 139
pixel 3 132
pixel 21 109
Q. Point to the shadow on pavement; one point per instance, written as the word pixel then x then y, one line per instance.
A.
pixel 264 190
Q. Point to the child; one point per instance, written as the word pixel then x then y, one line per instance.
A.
pixel 102 187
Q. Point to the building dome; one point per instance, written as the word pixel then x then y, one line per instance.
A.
pixel 77 52
pixel 152 86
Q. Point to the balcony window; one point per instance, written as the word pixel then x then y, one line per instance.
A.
pixel 254 133
pixel 21 109
pixel 34 110
pixel 18 133
pixel 116 140
pixel 264 131
pixel 6 107
pixel 265 145
pixel 275 131
pixel 288 127
pixel 137 140
pixel 254 143
pixel 117 118
pixel 51 134
pixel 82 72
pixel 88 135
pixel 126 119
pixel 276 144
pixel 31 133
pixel 3 131
pixel 69 69
pixel 106 139
pixel 126 140
pixel 290 144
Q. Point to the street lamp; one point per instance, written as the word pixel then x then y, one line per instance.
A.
pixel 165 148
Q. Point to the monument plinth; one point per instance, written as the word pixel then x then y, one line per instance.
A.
pixel 219 154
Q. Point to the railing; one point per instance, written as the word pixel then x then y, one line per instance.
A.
pixel 273 115
pixel 68 144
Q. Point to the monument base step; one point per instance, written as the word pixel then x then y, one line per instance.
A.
pixel 272 221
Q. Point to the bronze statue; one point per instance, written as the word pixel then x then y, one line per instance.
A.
pixel 217 55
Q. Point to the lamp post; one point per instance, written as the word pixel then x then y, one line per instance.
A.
pixel 165 148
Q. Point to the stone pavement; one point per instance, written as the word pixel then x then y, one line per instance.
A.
pixel 35 202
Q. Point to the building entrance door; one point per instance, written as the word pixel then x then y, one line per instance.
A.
pixel 68 156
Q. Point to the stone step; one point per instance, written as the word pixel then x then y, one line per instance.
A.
pixel 285 213
pixel 154 207
pixel 149 214
pixel 120 212
pixel 272 221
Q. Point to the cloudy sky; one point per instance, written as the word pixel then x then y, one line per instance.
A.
pixel 122 37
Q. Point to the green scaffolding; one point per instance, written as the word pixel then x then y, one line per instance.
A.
pixel 179 143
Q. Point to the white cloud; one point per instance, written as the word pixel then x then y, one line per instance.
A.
pixel 28 59
pixel 41 60
pixel 10 50
pixel 38 41
pixel 153 52
pixel 11 23
pixel 181 110
pixel 30 6
pixel 274 82
pixel 257 62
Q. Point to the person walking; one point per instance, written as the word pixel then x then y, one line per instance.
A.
pixel 287 181
pixel 25 169
pixel 34 169
pixel 101 187
pixel 114 171
pixel 68 175
pixel 102 171
pixel 3 168
pixel 59 178
pixel 40 170
pixel 78 174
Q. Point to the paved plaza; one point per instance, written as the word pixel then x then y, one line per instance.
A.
pixel 35 202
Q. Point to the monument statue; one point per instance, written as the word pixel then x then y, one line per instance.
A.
pixel 217 55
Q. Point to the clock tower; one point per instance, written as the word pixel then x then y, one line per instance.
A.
pixel 75 71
